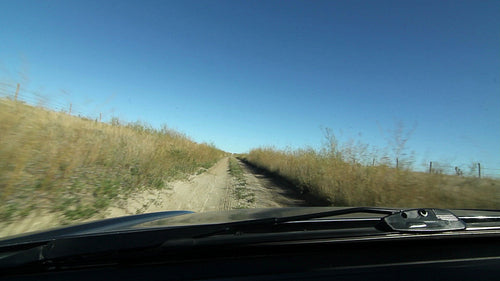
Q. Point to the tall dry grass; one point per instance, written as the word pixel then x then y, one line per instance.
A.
pixel 61 163
pixel 337 176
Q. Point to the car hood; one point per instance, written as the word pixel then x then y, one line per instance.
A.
pixel 184 218
pixel 157 219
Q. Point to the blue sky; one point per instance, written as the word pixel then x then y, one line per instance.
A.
pixel 244 74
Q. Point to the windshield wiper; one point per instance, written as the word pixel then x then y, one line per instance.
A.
pixel 408 221
pixel 237 227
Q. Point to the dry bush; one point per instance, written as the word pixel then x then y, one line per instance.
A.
pixel 331 175
pixel 51 160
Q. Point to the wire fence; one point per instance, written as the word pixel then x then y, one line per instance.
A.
pixel 472 169
pixel 36 98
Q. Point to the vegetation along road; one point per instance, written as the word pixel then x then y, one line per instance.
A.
pixel 58 169
pixel 229 184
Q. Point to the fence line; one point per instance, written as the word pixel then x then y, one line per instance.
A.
pixel 34 97
pixel 457 170
pixel 476 168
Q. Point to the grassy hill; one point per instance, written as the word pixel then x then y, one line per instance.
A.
pixel 56 162
pixel 336 176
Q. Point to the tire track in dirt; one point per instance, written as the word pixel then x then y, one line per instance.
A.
pixel 271 192
pixel 209 191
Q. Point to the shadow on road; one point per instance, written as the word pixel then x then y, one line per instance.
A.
pixel 284 187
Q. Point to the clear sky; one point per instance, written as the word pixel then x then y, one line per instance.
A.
pixel 244 74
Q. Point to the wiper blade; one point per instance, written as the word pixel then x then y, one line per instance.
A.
pixel 333 213
pixel 235 227
pixel 397 220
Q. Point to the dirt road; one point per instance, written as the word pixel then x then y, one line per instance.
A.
pixel 271 192
pixel 213 190
pixel 209 191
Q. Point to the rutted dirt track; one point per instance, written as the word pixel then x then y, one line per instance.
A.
pixel 271 192
pixel 210 191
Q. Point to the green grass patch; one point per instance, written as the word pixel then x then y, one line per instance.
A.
pixel 244 196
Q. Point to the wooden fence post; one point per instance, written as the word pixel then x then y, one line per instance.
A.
pixel 479 169
pixel 17 91
pixel 397 163
pixel 430 167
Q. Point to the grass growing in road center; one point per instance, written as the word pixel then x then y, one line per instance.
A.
pixel 244 196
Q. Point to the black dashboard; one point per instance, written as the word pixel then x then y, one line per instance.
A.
pixel 471 256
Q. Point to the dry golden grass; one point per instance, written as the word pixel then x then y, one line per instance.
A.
pixel 328 175
pixel 61 163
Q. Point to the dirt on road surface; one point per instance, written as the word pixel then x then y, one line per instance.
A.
pixel 215 189
pixel 271 192
pixel 209 191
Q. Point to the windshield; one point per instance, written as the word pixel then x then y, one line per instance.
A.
pixel 117 108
